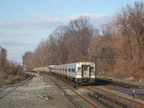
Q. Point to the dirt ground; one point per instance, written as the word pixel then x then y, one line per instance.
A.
pixel 39 92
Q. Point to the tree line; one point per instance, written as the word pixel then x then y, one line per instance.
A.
pixel 66 44
pixel 79 40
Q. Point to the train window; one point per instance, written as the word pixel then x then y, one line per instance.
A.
pixel 85 68
pixel 79 69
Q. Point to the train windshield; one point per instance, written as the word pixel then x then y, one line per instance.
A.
pixel 79 68
pixel 92 69
pixel 86 70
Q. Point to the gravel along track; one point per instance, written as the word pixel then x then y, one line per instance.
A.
pixel 10 88
pixel 39 92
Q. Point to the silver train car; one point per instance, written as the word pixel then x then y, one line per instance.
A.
pixel 80 72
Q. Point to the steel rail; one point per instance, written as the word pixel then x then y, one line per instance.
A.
pixel 140 105
pixel 84 98
pixel 66 94
pixel 13 88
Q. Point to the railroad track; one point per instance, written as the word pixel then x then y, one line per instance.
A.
pixel 115 101
pixel 7 90
pixel 124 84
pixel 112 100
pixel 74 96
pixel 131 92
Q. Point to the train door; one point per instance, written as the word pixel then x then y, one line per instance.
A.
pixel 85 71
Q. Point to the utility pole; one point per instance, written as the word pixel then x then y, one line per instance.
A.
pixel 104 54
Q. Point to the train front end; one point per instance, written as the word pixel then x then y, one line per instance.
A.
pixel 85 72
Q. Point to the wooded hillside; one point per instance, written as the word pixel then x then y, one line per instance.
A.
pixel 79 40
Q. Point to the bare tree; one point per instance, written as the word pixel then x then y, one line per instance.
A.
pixel 28 59
pixel 3 57
pixel 131 24
pixel 80 33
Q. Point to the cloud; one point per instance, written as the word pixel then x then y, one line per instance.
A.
pixel 91 16
pixel 98 19
pixel 53 22
pixel 28 42
pixel 43 22
pixel 7 25
pixel 9 42
pixel 3 40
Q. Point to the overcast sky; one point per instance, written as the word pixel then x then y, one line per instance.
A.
pixel 24 23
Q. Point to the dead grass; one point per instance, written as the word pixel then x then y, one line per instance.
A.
pixel 1 78
pixel 12 78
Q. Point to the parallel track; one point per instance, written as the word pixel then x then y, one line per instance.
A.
pixel 124 100
pixel 13 85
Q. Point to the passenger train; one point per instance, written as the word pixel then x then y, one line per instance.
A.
pixel 80 72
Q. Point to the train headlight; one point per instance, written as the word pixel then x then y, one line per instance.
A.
pixel 92 73
pixel 78 76
pixel 92 76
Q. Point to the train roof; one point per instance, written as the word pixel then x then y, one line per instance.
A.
pixel 70 64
